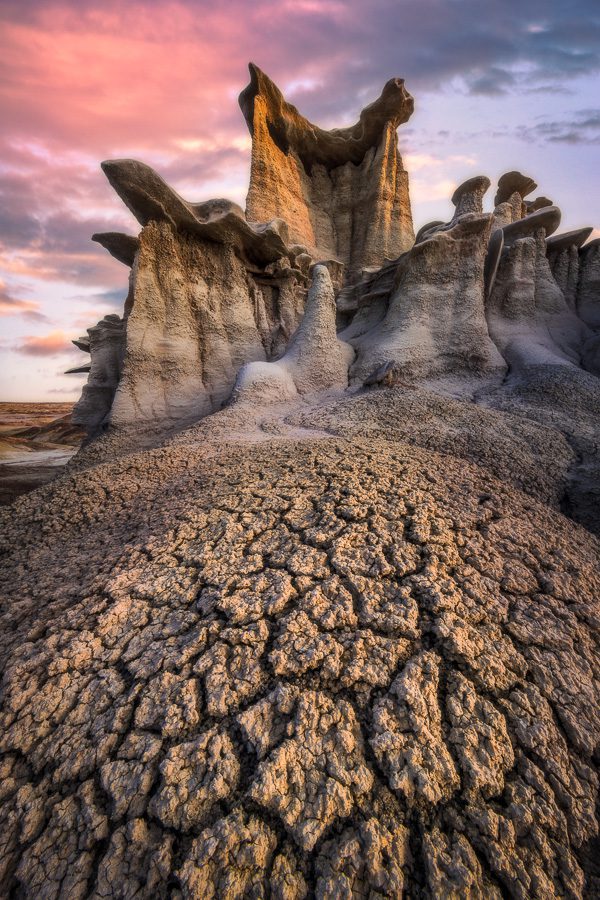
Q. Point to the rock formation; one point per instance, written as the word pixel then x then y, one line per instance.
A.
pixel 315 612
pixel 106 345
pixel 344 192
pixel 208 292
pixel 314 361
pixel 434 326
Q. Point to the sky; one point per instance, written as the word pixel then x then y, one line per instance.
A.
pixel 498 85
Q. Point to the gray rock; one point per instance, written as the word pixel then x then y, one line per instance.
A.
pixel 538 203
pixel 435 325
pixel 576 238
pixel 546 220
pixel 150 199
pixel 107 349
pixel 563 256
pixel 492 259
pixel 588 287
pixel 468 197
pixel 315 360
pixel 122 246
pixel 513 183
pixel 425 229
pixel 529 318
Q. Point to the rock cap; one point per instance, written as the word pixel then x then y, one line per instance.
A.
pixel 547 219
pixel 568 239
pixel 513 183
pixel 314 145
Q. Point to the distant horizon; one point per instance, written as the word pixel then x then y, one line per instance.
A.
pixel 158 81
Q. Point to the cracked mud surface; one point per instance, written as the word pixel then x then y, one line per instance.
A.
pixel 297 668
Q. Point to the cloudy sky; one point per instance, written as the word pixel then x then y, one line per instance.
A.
pixel 498 85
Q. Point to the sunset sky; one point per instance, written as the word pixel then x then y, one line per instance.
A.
pixel 497 85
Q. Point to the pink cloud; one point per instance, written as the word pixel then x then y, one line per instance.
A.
pixel 11 306
pixel 53 344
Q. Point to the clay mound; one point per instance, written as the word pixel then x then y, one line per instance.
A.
pixel 297 669
pixel 532 457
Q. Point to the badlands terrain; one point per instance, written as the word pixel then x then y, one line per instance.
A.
pixel 36 441
pixel 314 611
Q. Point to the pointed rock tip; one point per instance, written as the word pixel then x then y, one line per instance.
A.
pixel 569 239
pixel 122 246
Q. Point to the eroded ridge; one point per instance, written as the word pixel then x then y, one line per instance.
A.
pixel 297 669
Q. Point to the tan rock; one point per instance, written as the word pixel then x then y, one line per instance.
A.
pixel 194 777
pixel 407 736
pixel 318 773
pixel 343 192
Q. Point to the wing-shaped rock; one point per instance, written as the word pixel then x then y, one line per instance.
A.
pixel 150 198
pixel 344 193
pixel 426 229
pixel 546 220
pixel 122 246
pixel 569 239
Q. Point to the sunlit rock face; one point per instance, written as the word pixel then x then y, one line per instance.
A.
pixel 344 192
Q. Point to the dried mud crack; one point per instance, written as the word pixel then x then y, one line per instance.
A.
pixel 314 668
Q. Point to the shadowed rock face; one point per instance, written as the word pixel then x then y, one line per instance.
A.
pixel 197 316
pixel 435 325
pixel 588 285
pixel 562 251
pixel 343 192
pixel 531 319
pixel 106 348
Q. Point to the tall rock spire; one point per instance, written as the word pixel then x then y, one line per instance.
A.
pixel 344 192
